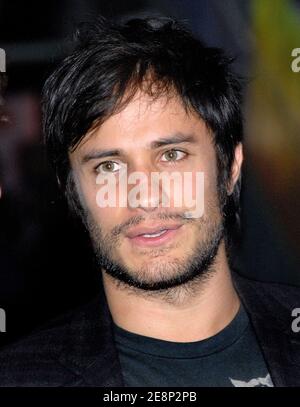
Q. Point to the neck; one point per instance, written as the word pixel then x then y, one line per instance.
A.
pixel 210 309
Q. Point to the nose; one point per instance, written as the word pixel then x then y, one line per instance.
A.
pixel 146 193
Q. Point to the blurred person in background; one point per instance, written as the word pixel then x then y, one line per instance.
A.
pixel 3 118
pixel 172 311
pixel 30 214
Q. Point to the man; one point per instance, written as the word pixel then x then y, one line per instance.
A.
pixel 133 100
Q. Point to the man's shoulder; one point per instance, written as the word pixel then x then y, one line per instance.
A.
pixel 282 291
pixel 272 297
pixel 38 358
pixel 273 309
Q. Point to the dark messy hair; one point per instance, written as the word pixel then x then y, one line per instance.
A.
pixel 111 61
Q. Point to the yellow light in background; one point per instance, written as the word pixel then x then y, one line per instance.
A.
pixel 273 108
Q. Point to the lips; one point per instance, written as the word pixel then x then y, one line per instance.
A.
pixel 153 236
pixel 151 231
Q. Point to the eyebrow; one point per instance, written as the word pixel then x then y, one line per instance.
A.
pixel 96 154
pixel 177 138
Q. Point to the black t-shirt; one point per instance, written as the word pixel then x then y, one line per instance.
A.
pixel 230 358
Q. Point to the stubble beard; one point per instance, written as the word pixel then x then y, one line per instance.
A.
pixel 169 278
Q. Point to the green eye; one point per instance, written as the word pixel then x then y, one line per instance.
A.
pixel 108 166
pixel 173 155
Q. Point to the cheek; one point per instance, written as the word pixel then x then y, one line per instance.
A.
pixel 105 216
pixel 89 193
pixel 210 186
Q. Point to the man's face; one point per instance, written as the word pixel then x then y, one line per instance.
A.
pixel 150 247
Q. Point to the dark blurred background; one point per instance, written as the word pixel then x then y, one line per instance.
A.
pixel 46 263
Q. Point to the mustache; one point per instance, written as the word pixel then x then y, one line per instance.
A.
pixel 136 220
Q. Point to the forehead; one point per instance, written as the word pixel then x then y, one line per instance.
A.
pixel 144 120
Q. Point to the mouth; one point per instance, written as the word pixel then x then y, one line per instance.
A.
pixel 153 236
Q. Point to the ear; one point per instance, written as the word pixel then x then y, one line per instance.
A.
pixel 236 167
